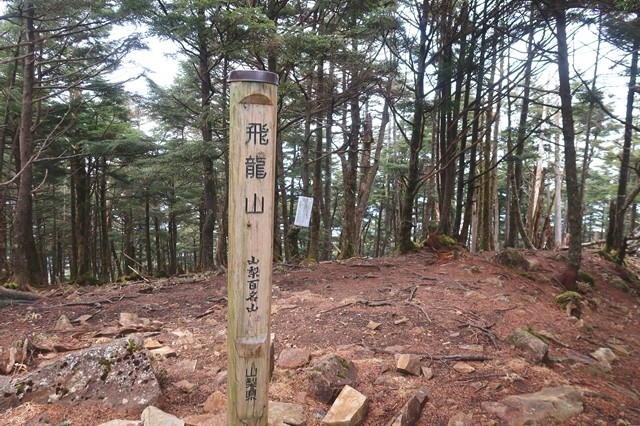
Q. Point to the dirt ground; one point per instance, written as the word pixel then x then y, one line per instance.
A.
pixel 430 303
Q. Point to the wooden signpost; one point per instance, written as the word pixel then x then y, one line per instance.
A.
pixel 252 139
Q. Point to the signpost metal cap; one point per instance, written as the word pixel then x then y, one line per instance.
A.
pixel 254 76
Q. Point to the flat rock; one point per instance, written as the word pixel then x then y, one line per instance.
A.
pixel 373 325
pixel 549 405
pixel 152 416
pixel 408 363
pixel 461 419
pixel 463 367
pixel 293 358
pixel 283 413
pixel 410 412
pixel 163 352
pixel 206 420
pixel 349 408
pixel 122 423
pixel 215 403
pixel 129 319
pixel 117 375
pixel 183 367
pixel 329 375
pixel 534 348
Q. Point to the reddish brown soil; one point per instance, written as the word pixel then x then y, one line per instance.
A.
pixel 447 303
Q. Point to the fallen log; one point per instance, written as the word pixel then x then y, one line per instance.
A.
pixel 9 297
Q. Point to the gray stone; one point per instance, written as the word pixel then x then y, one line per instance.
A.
pixel 63 324
pixel 283 413
pixel 329 375
pixel 293 358
pixel 408 363
pixel 349 409
pixel 604 354
pixel 535 348
pixel 117 375
pixel 121 423
pixel 152 416
pixel 549 405
pixel 472 348
pixel 410 412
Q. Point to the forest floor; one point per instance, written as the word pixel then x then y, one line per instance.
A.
pixel 430 303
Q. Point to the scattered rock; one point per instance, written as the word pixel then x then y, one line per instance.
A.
pixel 493 282
pixel 461 419
pixel 408 363
pixel 82 319
pixel 282 413
pixel 400 321
pixel 427 372
pixel 604 354
pixel 618 349
pixel 463 367
pixel 184 367
pixel 117 375
pixel 163 352
pixel 410 412
pixel 220 379
pixel 121 423
pixel 216 403
pixel 152 344
pixel 152 416
pixel 329 375
pixel 63 324
pixel 349 408
pixel 206 420
pixel 532 345
pixel 128 319
pixel 373 325
pixel 292 358
pixel 185 386
pixel 476 295
pixel 556 404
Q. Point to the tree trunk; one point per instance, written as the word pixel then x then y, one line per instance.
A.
pixel 405 243
pixel 615 241
pixel 573 188
pixel 26 265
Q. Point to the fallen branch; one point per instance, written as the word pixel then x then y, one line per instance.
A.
pixel 138 273
pixel 97 302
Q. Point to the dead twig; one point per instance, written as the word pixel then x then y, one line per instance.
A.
pixel 211 310
pixel 423 310
pixel 412 292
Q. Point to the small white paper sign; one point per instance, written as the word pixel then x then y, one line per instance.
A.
pixel 303 212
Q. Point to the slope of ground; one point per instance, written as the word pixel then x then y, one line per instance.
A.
pixel 431 304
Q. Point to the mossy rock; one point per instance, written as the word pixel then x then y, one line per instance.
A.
pixel 513 258
pixel 620 284
pixel 585 277
pixel 567 297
